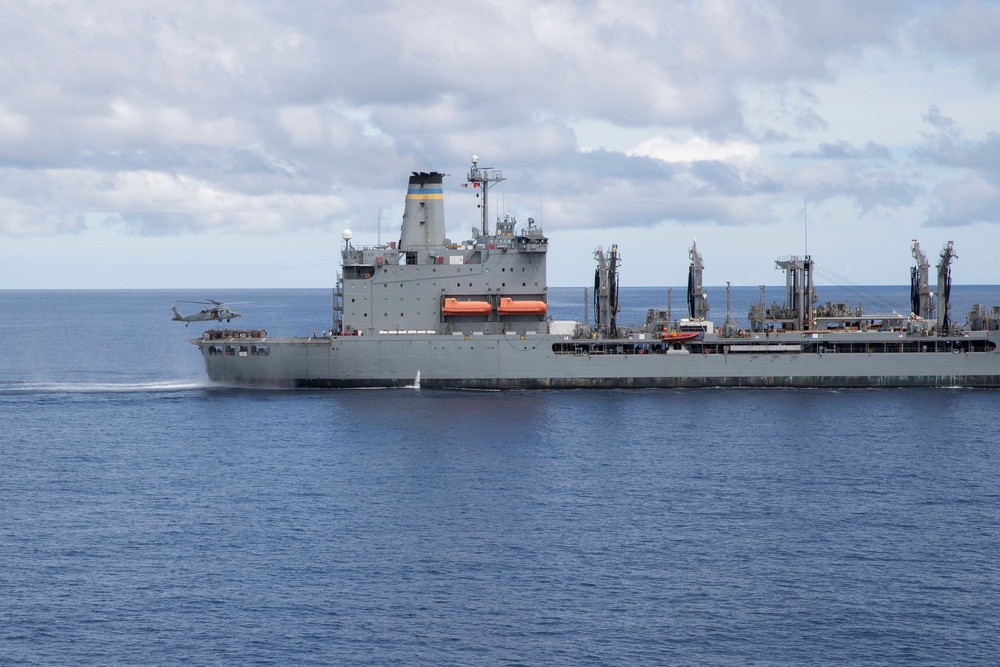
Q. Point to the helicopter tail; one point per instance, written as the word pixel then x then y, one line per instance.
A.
pixel 177 314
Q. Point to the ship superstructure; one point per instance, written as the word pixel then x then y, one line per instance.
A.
pixel 490 284
pixel 474 314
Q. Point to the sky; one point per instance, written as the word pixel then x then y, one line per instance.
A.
pixel 220 144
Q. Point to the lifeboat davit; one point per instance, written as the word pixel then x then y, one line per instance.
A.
pixel 511 307
pixel 456 307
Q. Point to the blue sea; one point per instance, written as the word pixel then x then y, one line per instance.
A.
pixel 148 518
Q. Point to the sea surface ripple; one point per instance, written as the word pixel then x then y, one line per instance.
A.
pixel 151 518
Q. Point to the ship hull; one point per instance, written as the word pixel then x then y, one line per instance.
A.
pixel 550 362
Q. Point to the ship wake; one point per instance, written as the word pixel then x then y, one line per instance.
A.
pixel 43 387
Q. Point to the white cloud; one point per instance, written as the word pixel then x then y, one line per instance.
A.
pixel 59 201
pixel 14 127
pixel 965 201
pixel 262 118
pixel 696 148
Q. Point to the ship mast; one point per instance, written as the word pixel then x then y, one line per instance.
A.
pixel 484 178
pixel 944 288
pixel 697 298
pixel 606 291
pixel 799 291
pixel 920 294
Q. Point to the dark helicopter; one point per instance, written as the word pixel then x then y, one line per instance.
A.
pixel 216 313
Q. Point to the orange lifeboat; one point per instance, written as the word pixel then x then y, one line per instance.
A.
pixel 681 336
pixel 510 307
pixel 456 307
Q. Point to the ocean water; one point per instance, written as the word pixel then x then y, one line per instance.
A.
pixel 149 518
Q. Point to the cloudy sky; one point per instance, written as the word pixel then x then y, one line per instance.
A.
pixel 227 144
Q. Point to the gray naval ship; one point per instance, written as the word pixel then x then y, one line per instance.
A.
pixel 430 312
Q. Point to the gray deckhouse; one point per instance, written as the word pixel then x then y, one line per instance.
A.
pixel 493 283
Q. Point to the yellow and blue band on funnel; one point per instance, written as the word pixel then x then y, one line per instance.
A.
pixel 424 187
